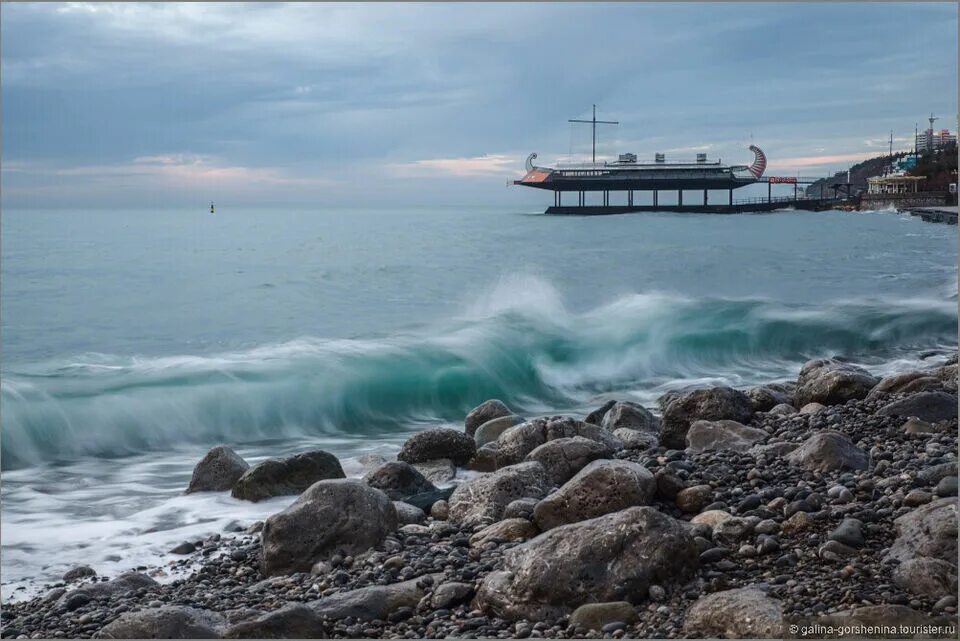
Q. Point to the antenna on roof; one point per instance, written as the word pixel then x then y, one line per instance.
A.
pixel 596 122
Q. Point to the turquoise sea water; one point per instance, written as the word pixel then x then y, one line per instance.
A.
pixel 133 341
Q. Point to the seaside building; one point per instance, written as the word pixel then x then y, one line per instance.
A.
pixel 931 140
pixel 893 184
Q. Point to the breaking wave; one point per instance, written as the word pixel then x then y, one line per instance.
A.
pixel 518 342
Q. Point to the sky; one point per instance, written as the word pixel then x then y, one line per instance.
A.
pixel 176 104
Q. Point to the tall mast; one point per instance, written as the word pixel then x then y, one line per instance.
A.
pixel 594 122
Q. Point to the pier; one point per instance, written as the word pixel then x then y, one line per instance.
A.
pixel 945 214
pixel 703 205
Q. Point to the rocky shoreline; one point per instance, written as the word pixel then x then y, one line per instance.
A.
pixel 795 509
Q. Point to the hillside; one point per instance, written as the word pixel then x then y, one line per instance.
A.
pixel 938 167
pixel 858 175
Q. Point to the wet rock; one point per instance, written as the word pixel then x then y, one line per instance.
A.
pixel 515 529
pixel 486 411
pixel 343 516
pixel 635 439
pixel 438 443
pixel 827 451
pixel 600 488
pixel 927 406
pixel 713 404
pixel 370 462
pixel 426 500
pixel 451 594
pixel 906 382
pixel 564 457
pixel 693 499
pixel 832 382
pixel 373 602
pixel 492 429
pixel 596 416
pixel 722 435
pixel 407 513
pixel 926 547
pixel 624 414
pixel 123 584
pixel 518 441
pixel 286 476
pixel 168 622
pixel 947 486
pixel 594 616
pixel 481 501
pixel 293 621
pixel 485 459
pixel 217 471
pixel 184 548
pixel 735 614
pixel 398 479
pixel 615 557
pixel 765 399
pixel 78 573
pixel 849 532
pixel 441 470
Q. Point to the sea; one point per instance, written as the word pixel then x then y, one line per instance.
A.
pixel 133 341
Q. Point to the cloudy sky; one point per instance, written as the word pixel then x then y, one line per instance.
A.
pixel 170 105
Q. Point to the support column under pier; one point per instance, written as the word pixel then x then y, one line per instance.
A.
pixel 769 192
pixel 704 197
pixel 679 198
pixel 655 204
pixel 730 198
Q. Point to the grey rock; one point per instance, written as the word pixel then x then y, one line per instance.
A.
pixel 926 547
pixel 832 382
pixel 712 404
pixel 693 499
pixel 426 500
pixel 827 451
pixel 293 621
pixel 521 508
pixel 635 439
pixel 407 513
pixel 123 584
pixel 564 457
pixel 764 398
pixel 907 383
pixel 492 429
pixel 286 476
pixel 438 443
pixel 343 516
pixel 596 416
pixel 595 616
pixel 78 572
pixel 624 414
pixel 782 410
pixel 935 473
pixel 217 471
pixel 373 602
pixel 482 501
pixel 735 614
pixel 438 471
pixel 732 531
pixel 486 411
pixel 927 406
pixel 849 532
pixel 370 462
pixel 398 479
pixel 722 435
pixel 451 594
pixel 947 486
pixel 615 557
pixel 518 441
pixel 168 622
pixel 600 488
pixel 515 529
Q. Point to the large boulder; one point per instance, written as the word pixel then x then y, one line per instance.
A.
pixel 292 621
pixel 832 382
pixel 712 404
pixel 518 441
pixel 124 584
pixel 629 415
pixel 398 479
pixel 907 383
pixel 927 406
pixel 375 601
pixel 926 547
pixel 735 614
pixel 344 516
pixel 439 442
pixel 826 451
pixel 492 429
pixel 766 398
pixel 599 488
pixel 217 471
pixel 596 416
pixel 286 476
pixel 167 622
pixel 564 457
pixel 486 411
pixel 722 435
pixel 482 500
pixel 615 557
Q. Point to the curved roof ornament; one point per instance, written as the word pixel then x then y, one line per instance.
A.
pixel 530 160
pixel 759 161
